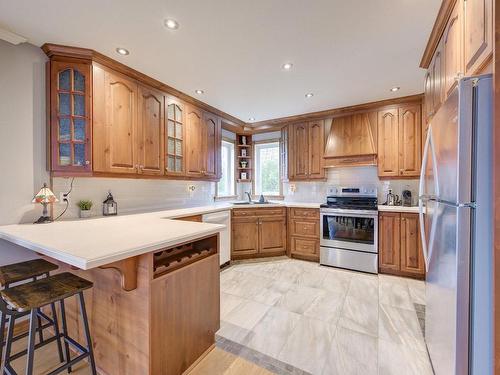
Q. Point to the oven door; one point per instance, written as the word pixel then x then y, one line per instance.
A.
pixel 349 229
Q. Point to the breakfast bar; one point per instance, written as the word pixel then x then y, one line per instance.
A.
pixel 154 307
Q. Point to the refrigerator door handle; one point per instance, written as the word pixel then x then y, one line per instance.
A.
pixel 422 232
pixel 424 163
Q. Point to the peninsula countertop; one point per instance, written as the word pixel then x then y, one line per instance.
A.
pixel 95 242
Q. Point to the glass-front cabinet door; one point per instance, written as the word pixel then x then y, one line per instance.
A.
pixel 175 134
pixel 70 117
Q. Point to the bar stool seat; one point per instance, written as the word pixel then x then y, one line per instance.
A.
pixel 43 292
pixel 28 299
pixel 16 272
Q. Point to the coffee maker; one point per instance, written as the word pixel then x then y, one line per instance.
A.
pixel 406 198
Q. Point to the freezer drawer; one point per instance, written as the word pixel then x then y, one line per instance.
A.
pixel 353 260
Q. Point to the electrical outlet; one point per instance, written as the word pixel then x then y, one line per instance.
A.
pixel 191 188
pixel 63 198
pixel 293 188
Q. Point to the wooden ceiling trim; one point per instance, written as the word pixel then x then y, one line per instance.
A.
pixel 276 124
pixel 437 31
pixel 55 51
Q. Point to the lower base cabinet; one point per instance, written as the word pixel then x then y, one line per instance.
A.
pixel 400 246
pixel 303 233
pixel 258 232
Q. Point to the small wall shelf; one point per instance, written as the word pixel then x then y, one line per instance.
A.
pixel 244 155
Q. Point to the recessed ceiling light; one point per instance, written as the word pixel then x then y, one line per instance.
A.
pixel 251 119
pixel 199 92
pixel 287 66
pixel 122 51
pixel 394 89
pixel 309 95
pixel 171 24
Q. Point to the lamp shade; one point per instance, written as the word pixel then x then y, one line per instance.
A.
pixel 45 195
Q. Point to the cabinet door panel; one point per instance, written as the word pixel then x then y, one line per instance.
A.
pixel 478 33
pixel 316 149
pixel 428 94
pixel 389 241
pixel 388 138
pixel 299 151
pixel 272 234
pixel 412 259
pixel 211 144
pixel 452 47
pixel 175 138
pixel 305 228
pixel 244 236
pixel 437 78
pixel 410 138
pixel 194 142
pixel 150 127
pixel 115 123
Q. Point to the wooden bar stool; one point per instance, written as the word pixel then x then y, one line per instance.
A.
pixel 27 271
pixel 28 298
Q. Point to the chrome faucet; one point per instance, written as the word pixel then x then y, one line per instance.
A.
pixel 249 197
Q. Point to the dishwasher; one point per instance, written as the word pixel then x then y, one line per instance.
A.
pixel 224 218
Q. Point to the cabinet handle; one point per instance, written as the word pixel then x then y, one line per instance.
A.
pixel 87 162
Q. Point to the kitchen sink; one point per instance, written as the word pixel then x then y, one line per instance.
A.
pixel 248 203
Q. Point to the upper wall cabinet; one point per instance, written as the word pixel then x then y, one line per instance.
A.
pixel 211 145
pixel 115 123
pixel 150 129
pixel 352 141
pixel 306 144
pixel 175 135
pixel 452 48
pixel 70 117
pixel 399 141
pixel 478 32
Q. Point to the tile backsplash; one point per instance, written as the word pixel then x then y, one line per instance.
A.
pixel 317 191
pixel 132 195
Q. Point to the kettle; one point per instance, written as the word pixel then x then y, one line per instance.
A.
pixel 392 199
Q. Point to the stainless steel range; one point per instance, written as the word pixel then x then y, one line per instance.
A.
pixel 349 228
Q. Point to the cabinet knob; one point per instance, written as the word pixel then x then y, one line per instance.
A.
pixel 87 162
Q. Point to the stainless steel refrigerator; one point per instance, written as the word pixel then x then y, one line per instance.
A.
pixel 456 220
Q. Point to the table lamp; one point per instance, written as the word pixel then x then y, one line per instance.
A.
pixel 44 196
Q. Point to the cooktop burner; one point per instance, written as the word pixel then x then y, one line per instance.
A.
pixel 352 198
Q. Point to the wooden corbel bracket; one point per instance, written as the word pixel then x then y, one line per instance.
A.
pixel 127 268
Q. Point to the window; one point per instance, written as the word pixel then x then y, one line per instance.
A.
pixel 225 186
pixel 267 168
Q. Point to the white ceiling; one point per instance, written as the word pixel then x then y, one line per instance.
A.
pixel 345 52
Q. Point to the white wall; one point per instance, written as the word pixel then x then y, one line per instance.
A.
pixel 22 137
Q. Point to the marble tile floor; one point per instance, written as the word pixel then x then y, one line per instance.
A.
pixel 296 317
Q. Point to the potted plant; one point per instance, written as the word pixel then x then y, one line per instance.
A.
pixel 85 206
pixel 243 163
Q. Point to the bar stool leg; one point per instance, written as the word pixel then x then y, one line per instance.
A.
pixel 39 322
pixel 31 341
pixel 65 333
pixel 3 322
pixel 57 332
pixel 8 343
pixel 83 312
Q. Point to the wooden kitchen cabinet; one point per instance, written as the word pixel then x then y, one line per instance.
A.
pixel 150 128
pixel 388 143
pixel 410 139
pixel 400 141
pixel 412 258
pixel 452 49
pixel 303 233
pixel 305 151
pixel 478 34
pixel 211 140
pixel 115 123
pixel 258 232
pixel 284 154
pixel 194 142
pixel 70 117
pixel 175 138
pixel 399 245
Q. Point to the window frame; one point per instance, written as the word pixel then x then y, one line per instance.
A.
pixel 254 156
pixel 217 196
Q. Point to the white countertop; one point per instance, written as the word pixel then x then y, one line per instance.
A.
pixel 411 209
pixel 94 242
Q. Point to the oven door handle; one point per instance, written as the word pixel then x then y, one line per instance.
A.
pixel 344 212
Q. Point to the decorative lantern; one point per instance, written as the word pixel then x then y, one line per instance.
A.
pixel 109 206
pixel 44 196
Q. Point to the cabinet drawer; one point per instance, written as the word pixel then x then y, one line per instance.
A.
pixel 304 246
pixel 307 228
pixel 276 211
pixel 312 213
